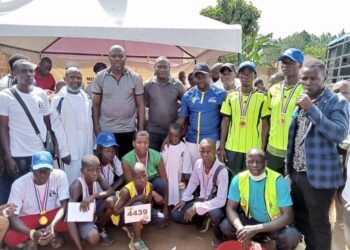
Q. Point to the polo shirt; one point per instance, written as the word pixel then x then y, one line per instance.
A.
pixel 162 102
pixel 203 112
pixel 118 107
pixel 45 83
pixel 242 138
pixel 278 137
pixel 257 207
pixel 154 158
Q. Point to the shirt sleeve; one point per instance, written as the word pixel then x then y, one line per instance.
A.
pixel 129 159
pixel 62 186
pixel 4 109
pixel 219 200
pixel 96 84
pixel 184 106
pixel 117 166
pixel 139 86
pixel 16 196
pixel 265 108
pixel 283 196
pixel 192 185
pixel 182 90
pixel 226 107
pixel 233 193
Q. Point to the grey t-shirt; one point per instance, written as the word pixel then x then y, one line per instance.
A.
pixel 118 106
pixel 162 102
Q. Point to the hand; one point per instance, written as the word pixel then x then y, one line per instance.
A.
pixel 66 160
pixel 179 205
pixel 11 167
pixel 141 197
pixel 97 129
pixel 144 222
pixel 85 204
pixel 247 232
pixel 46 236
pixel 222 155
pixel 304 102
pixel 7 209
pixel 190 212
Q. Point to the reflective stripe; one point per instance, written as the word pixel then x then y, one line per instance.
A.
pixel 199 118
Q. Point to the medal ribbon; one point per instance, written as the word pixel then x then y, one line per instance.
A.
pixel 106 173
pixel 42 203
pixel 285 106
pixel 87 189
pixel 244 108
pixel 138 160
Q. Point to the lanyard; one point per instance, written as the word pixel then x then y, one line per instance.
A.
pixel 138 160
pixel 85 186
pixel 106 172
pixel 42 203
pixel 244 108
pixel 285 106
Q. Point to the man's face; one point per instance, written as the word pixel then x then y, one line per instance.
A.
pixel 227 76
pixel 207 152
pixel 117 59
pixel 246 76
pixel 215 75
pixel 44 68
pixel 255 163
pixel 41 176
pixel 202 80
pixel 73 79
pixel 312 80
pixel 290 67
pixel 162 69
pixel 91 172
pixel 343 89
pixel 24 73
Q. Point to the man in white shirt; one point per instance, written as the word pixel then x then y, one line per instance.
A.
pixel 19 141
pixel 194 209
pixel 71 119
pixel 41 198
pixel 8 80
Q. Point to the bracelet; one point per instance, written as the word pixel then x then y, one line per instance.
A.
pixel 31 234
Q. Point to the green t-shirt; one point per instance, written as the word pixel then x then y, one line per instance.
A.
pixel 278 137
pixel 242 137
pixel 153 160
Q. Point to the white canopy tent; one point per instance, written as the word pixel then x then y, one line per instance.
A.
pixel 83 31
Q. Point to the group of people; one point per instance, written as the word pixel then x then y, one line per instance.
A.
pixel 226 135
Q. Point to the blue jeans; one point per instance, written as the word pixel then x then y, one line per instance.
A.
pixel 23 165
pixel 216 215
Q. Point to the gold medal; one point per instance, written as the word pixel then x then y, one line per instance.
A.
pixel 242 123
pixel 43 220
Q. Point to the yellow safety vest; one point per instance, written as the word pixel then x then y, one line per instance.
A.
pixel 132 191
pixel 270 193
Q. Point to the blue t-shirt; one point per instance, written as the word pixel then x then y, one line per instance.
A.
pixel 257 197
pixel 203 112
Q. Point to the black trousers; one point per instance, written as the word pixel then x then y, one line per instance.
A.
pixel 125 142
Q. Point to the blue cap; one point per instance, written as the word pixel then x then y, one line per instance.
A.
pixel 106 139
pixel 247 64
pixel 42 159
pixel 202 68
pixel 294 54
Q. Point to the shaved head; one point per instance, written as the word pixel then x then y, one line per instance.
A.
pixel 116 47
pixel 208 142
pixel 138 168
pixel 89 160
pixel 162 59
pixel 256 151
pixel 72 69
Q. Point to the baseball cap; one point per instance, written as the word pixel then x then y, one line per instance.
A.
pixel 42 159
pixel 201 68
pixel 247 64
pixel 294 54
pixel 228 66
pixel 106 139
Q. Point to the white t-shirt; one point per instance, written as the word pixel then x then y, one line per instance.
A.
pixel 23 193
pixel 177 161
pixel 23 139
pixel 346 190
pixel 6 82
pixel 108 171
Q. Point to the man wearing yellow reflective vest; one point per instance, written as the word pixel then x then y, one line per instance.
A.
pixel 281 99
pixel 259 205
pixel 242 112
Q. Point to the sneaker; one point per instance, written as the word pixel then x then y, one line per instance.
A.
pixel 138 245
pixel 216 242
pixel 205 225
pixel 129 232
pixel 105 239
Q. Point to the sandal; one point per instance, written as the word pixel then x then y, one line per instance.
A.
pixel 105 239
pixel 56 242
pixel 31 245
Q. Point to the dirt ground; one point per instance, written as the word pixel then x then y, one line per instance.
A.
pixel 186 237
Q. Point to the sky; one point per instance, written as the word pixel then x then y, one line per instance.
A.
pixel 284 17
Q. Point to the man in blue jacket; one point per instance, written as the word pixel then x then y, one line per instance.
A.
pixel 312 158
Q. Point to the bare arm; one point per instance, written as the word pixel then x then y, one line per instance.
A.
pixel 60 214
pixel 96 105
pixel 265 129
pixel 225 123
pixel 118 183
pixel 9 163
pixel 107 189
pixel 126 171
pixel 232 215
pixel 140 105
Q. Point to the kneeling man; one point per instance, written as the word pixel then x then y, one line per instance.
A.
pixel 259 205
